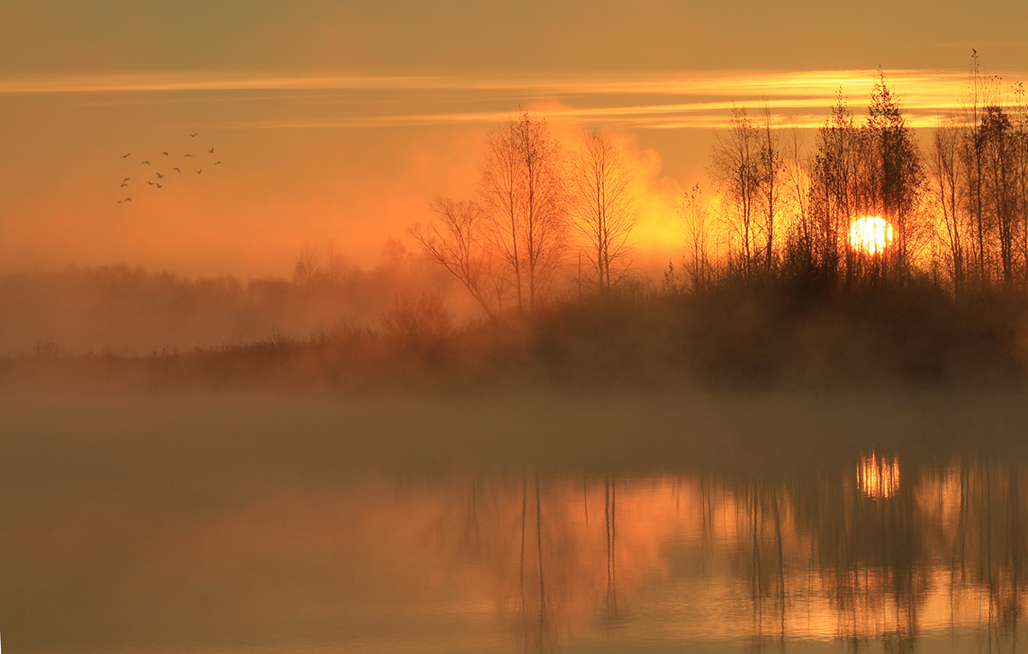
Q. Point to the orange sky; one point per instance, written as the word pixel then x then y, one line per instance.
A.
pixel 338 122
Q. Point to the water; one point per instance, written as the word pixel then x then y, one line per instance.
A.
pixel 231 524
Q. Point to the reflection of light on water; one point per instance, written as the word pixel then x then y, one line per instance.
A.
pixel 871 234
pixel 878 477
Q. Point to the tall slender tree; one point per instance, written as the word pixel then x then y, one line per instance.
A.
pixel 603 209
pixel 833 191
pixel 770 172
pixel 523 191
pixel 894 171
pixel 736 168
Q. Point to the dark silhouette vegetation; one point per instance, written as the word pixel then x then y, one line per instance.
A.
pixel 777 285
pixel 757 334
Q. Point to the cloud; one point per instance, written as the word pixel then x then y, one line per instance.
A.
pixel 664 101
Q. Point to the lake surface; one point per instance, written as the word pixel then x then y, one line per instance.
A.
pixel 802 522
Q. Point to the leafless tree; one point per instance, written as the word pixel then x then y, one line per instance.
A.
pixel 833 189
pixel 770 164
pixel 996 184
pixel 978 90
pixel 796 169
pixel 1021 173
pixel 736 168
pixel 524 196
pixel 460 247
pixel 603 210
pixel 696 221
pixel 945 170
pixel 893 172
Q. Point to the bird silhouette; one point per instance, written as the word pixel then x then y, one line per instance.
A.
pixel 177 169
pixel 165 153
pixel 125 200
pixel 211 150
pixel 149 182
pixel 187 155
pixel 160 176
pixel 218 162
pixel 127 179
pixel 159 186
pixel 123 185
pixel 126 156
pixel 199 171
pixel 194 134
pixel 147 163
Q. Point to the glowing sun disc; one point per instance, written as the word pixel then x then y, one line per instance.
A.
pixel 871 234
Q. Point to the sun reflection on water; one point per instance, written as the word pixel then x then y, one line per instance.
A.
pixel 878 477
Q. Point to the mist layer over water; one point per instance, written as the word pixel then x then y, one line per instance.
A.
pixel 235 523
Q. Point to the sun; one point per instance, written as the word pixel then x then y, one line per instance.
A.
pixel 871 234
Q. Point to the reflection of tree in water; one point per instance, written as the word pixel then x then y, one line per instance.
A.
pixel 989 542
pixel 766 569
pixel 563 554
pixel 869 558
pixel 551 567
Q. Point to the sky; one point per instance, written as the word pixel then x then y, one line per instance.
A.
pixel 338 122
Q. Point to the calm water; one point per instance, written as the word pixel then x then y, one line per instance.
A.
pixel 228 524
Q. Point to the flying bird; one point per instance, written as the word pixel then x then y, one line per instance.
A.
pixel 127 179
pixel 218 162
pixel 149 182
pixel 199 171
pixel 159 186
pixel 125 200
pixel 147 163
pixel 187 155
pixel 160 176
pixel 176 168
pixel 126 156
pixel 123 185
pixel 165 153
pixel 194 134
pixel 211 150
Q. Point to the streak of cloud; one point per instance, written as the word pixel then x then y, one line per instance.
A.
pixel 702 99
pixel 671 83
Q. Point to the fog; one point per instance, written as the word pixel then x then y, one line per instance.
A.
pixel 199 521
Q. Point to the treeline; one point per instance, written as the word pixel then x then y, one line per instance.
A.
pixel 867 201
pixel 953 210
pixel 870 255
pixel 128 311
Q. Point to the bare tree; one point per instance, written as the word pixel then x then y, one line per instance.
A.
pixel 736 171
pixel 523 191
pixel 996 184
pixel 796 168
pixel 893 172
pixel 978 91
pixel 945 169
pixel 603 209
pixel 308 264
pixel 833 188
pixel 696 220
pixel 770 164
pixel 1021 174
pixel 460 246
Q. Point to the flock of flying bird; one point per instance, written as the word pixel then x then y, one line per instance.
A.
pixel 159 178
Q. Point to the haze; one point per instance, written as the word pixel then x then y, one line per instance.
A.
pixel 338 123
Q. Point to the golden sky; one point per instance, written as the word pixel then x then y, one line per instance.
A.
pixel 339 121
